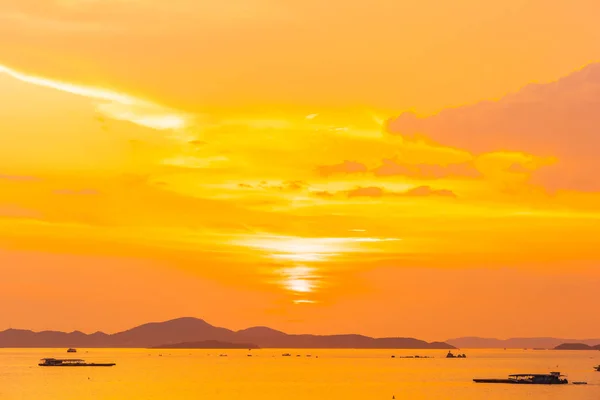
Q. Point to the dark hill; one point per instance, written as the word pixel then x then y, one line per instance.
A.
pixel 576 346
pixel 170 332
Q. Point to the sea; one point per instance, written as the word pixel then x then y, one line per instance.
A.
pixel 317 374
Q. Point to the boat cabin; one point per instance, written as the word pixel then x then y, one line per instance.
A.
pixel 58 362
pixel 542 379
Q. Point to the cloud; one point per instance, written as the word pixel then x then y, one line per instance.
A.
pixel 371 191
pixel 293 185
pixel 283 186
pixel 557 119
pixel 56 25
pixel 428 191
pixel 192 162
pixel 419 191
pixel 76 192
pixel 16 211
pixel 323 193
pixel 113 104
pixel 519 168
pixel 346 167
pixel 427 171
pixel 18 178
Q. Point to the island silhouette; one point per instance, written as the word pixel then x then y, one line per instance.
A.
pixel 473 342
pixel 576 346
pixel 189 331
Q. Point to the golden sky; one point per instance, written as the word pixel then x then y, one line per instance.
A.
pixel 257 162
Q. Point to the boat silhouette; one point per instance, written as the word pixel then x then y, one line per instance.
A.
pixel 553 378
pixel 55 362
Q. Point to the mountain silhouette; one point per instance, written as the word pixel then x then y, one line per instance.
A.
pixel 515 343
pixel 187 331
pixel 174 331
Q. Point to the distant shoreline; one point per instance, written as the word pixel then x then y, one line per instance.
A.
pixel 208 344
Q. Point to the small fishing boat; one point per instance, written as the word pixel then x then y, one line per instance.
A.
pixel 579 383
pixel 553 378
pixel 54 362
pixel 72 350
pixel 597 368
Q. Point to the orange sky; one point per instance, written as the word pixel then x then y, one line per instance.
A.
pixel 232 160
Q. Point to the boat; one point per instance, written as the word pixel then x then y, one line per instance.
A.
pixel 451 355
pixel 553 378
pixel 286 355
pixel 72 350
pixel 579 383
pixel 597 368
pixel 55 362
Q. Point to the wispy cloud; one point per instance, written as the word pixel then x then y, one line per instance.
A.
pixel 113 104
pixel 40 23
pixel 371 191
pixel 427 171
pixel 346 167
pixel 18 178
pixel 16 211
pixel 420 191
pixel 74 192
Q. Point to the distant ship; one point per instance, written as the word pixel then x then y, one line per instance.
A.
pixel 54 362
pixel 451 355
pixel 71 350
pixel 553 378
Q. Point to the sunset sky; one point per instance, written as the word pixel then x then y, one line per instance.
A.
pixel 383 167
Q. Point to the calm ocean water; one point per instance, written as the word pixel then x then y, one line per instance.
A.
pixel 335 374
